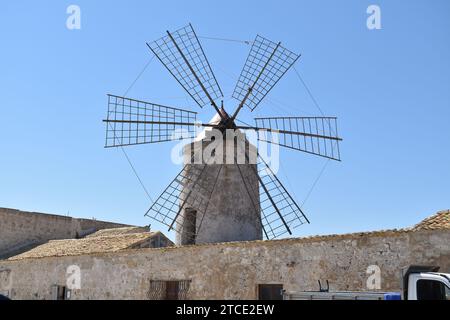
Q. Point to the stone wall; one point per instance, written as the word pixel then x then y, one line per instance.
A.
pixel 20 230
pixel 233 270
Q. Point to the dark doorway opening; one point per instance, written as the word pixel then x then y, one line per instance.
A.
pixel 270 292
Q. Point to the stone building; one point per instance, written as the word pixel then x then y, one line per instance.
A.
pixel 122 263
pixel 21 231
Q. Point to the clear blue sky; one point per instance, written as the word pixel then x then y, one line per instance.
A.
pixel 390 89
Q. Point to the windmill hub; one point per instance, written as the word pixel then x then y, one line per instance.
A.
pixel 226 121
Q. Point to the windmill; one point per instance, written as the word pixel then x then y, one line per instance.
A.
pixel 210 202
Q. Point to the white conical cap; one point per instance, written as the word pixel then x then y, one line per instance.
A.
pixel 214 120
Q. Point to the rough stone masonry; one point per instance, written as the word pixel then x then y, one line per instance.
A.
pixel 234 270
pixel 230 213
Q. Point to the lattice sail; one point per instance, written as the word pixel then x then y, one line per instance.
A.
pixel 280 214
pixel 315 135
pixel 131 122
pixel 187 191
pixel 266 63
pixel 168 48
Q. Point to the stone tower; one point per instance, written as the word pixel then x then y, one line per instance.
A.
pixel 231 214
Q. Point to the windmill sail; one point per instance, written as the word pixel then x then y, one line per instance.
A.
pixel 131 122
pixel 280 214
pixel 186 192
pixel 314 135
pixel 183 56
pixel 266 63
pixel 235 212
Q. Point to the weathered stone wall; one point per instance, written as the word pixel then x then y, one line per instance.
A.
pixel 233 270
pixel 230 213
pixel 20 230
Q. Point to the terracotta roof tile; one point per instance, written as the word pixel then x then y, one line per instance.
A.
pixel 117 231
pixel 72 247
pixel 440 220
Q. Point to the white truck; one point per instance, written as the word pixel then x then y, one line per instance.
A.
pixel 417 283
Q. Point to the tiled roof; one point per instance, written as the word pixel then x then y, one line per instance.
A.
pixel 117 231
pixel 107 241
pixel 440 220
pixel 72 247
